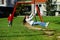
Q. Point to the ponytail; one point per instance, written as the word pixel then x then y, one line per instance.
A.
pixel 24 20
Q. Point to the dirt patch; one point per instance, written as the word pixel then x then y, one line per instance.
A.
pixel 46 31
pixel 57 36
pixel 49 32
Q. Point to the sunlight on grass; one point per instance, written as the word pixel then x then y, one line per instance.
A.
pixel 19 32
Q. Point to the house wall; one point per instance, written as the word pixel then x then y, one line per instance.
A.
pixel 58 0
pixel 4 3
pixel 58 8
pixel 58 5
pixel 11 3
pixel 7 3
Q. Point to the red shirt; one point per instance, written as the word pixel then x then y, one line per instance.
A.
pixel 10 18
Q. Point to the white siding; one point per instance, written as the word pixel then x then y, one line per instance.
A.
pixel 58 0
pixel 2 4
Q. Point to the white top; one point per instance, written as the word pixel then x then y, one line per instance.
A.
pixel 29 20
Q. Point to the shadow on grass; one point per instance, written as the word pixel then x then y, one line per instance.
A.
pixel 28 35
pixel 21 35
pixel 57 22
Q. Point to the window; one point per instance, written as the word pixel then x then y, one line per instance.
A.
pixel 1 2
pixel 58 7
pixel 54 1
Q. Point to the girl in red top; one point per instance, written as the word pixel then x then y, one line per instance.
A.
pixel 10 19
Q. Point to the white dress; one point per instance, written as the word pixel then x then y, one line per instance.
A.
pixel 29 20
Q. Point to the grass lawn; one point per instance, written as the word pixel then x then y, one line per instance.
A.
pixel 19 32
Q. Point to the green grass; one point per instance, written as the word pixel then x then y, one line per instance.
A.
pixel 19 32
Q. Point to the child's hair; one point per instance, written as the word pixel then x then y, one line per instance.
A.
pixel 24 20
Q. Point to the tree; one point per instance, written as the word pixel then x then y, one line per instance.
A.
pixel 51 7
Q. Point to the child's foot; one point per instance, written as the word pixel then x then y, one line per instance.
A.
pixel 47 24
pixel 9 25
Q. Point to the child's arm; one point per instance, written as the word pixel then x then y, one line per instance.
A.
pixel 31 15
pixel 29 18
